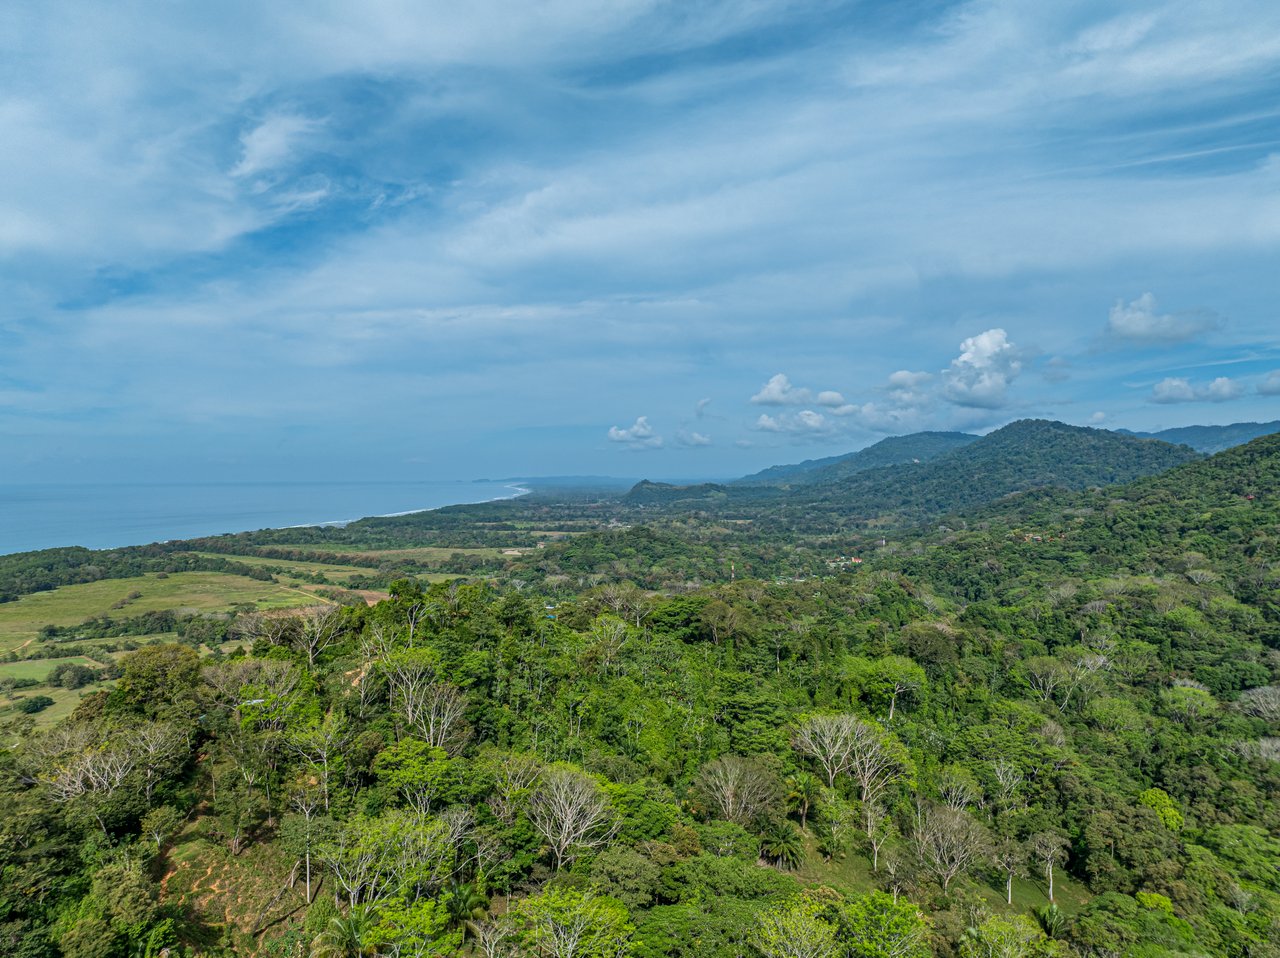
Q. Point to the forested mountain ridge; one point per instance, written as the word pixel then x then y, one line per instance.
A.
pixel 1211 439
pixel 895 450
pixel 1047 727
pixel 1023 455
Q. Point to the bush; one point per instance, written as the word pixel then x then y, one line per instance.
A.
pixel 37 703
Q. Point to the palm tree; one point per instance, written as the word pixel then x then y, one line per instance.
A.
pixel 343 937
pixel 803 789
pixel 465 905
pixel 782 845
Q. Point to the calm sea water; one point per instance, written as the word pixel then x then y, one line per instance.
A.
pixel 103 516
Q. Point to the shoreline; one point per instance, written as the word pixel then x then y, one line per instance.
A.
pixel 341 523
pixel 140 519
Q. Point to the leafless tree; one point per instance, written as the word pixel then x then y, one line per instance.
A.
pixel 1263 703
pixel 432 707
pixel 571 811
pixel 495 937
pixel 306 803
pixel 830 739
pixel 948 842
pixel 157 744
pixel 1047 850
pixel 738 789
pixel 316 631
pixel 1010 856
pixel 877 763
pixel 513 775
pixel 1044 675
pixel 958 788
pixel 1008 779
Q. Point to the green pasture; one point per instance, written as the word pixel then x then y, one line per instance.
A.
pixel 21 621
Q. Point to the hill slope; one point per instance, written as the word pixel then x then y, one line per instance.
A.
pixel 1211 439
pixel 896 450
pixel 1027 454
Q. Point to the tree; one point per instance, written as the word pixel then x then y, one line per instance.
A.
pixel 567 923
pixel 316 631
pixel 738 789
pixel 831 739
pixel 795 930
pixel 571 812
pixel 881 926
pixel 998 937
pixel 1048 849
pixel 948 842
pixel 782 845
pixel 1010 856
pixel 320 745
pixel 160 824
pixel 803 790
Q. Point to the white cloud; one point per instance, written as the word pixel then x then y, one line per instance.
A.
pixel 693 439
pixel 908 380
pixel 1098 417
pixel 1141 322
pixel 829 397
pixel 272 143
pixel 980 376
pixel 1177 389
pixel 639 435
pixel 1223 389
pixel 700 409
pixel 778 391
pixel 1270 386
pixel 804 422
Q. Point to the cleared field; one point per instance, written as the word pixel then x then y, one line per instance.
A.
pixel 335 572
pixel 21 621
pixel 64 702
pixel 40 668
pixel 422 553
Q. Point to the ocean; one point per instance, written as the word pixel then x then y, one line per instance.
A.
pixel 108 515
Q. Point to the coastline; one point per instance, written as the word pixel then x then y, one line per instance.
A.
pixel 340 523
pixel 101 516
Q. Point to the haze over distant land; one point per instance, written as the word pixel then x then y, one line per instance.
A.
pixel 394 241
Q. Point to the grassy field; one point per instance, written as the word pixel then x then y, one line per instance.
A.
pixel 335 572
pixel 40 668
pixel 21 621
pixel 422 553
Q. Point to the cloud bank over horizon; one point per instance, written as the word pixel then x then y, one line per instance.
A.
pixel 415 240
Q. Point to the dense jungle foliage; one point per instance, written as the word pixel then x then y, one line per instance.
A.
pixel 1049 725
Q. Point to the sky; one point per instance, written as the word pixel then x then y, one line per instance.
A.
pixel 404 239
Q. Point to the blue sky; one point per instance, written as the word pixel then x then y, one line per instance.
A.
pixel 415 239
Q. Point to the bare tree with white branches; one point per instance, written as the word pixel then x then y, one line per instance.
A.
pixel 571 811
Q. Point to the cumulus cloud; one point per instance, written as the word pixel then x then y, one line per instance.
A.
pixel 804 422
pixel 1141 322
pixel 700 408
pixel 1098 417
pixel 639 435
pixel 778 391
pixel 831 398
pixel 1177 389
pixel 980 376
pixel 1270 386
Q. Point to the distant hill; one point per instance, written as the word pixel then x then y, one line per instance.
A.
pixel 1211 439
pixel 896 450
pixel 645 492
pixel 1028 454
